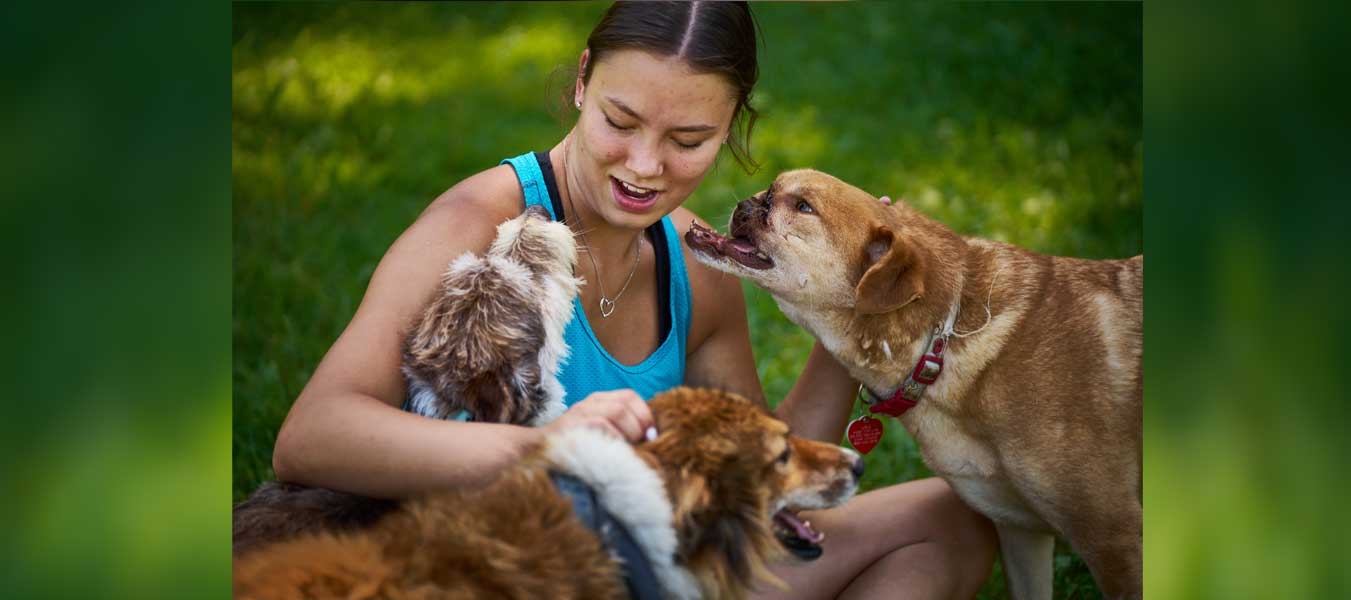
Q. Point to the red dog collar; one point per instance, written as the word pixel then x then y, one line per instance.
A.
pixel 924 374
pixel 907 396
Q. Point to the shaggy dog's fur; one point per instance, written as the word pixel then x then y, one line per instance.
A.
pixel 698 500
pixel 489 343
pixel 1035 419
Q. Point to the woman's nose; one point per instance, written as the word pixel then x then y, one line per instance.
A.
pixel 644 160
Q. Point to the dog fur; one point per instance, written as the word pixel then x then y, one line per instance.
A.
pixel 1036 417
pixel 490 343
pixel 492 340
pixel 698 499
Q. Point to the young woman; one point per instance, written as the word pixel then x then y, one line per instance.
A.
pixel 662 88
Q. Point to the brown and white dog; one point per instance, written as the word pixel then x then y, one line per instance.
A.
pixel 1035 419
pixel 699 501
pixel 486 348
pixel 491 341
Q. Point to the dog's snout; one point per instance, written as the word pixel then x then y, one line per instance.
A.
pixel 740 218
pixel 749 212
pixel 857 467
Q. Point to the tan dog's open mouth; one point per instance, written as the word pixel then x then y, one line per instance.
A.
pixel 740 249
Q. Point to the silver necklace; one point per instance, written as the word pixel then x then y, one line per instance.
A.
pixel 607 304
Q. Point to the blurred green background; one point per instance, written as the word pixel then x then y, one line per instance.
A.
pixel 1019 123
pixel 1246 326
pixel 116 157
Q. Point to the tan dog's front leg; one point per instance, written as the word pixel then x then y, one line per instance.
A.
pixel 1027 557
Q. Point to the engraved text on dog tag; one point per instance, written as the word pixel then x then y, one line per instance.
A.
pixel 864 433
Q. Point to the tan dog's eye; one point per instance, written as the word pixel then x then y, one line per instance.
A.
pixel 803 207
pixel 783 458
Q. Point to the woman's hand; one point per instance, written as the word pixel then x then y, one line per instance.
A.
pixel 621 412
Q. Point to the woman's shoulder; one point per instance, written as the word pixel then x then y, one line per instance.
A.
pixel 462 219
pixel 681 219
pixel 485 198
pixel 710 290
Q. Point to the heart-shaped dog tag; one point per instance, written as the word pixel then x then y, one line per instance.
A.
pixel 864 433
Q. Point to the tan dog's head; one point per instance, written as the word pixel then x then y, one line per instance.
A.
pixel 813 240
pixel 733 471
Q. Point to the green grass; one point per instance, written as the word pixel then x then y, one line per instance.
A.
pixel 1014 122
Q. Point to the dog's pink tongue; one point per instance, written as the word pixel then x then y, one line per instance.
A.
pixel 804 530
pixel 742 244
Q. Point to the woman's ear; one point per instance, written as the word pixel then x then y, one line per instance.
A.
pixel 579 90
pixel 894 275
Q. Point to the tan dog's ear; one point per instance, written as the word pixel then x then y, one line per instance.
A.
pixel 895 277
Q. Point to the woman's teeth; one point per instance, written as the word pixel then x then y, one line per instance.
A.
pixel 633 190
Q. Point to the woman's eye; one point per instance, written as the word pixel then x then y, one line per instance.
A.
pixel 616 125
pixel 803 207
pixel 688 146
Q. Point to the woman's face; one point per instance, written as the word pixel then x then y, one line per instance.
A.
pixel 649 130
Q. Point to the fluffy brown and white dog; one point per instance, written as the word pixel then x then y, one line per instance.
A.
pixel 491 341
pixel 698 500
pixel 487 348
pixel 1035 419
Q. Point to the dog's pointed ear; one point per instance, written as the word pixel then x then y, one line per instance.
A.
pixel 893 275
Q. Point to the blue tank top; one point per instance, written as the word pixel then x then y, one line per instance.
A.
pixel 589 367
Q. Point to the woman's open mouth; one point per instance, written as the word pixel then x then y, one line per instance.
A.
pixel 631 197
pixel 740 249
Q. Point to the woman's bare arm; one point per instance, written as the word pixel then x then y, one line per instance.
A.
pixel 346 431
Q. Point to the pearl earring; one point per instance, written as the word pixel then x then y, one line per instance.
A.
pixel 578 103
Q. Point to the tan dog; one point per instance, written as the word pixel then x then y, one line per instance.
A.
pixel 1033 413
pixel 698 500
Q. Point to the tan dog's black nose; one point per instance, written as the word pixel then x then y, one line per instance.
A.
pixel 857 468
pixel 750 213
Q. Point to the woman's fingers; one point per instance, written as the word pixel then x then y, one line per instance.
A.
pixel 621 412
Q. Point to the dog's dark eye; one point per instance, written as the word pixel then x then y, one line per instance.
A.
pixel 803 207
pixel 783 458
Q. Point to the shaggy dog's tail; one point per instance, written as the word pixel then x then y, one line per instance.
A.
pixel 280 511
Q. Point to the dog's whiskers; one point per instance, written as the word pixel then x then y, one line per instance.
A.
pixel 579 231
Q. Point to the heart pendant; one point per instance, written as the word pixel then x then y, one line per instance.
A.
pixel 864 433
pixel 607 306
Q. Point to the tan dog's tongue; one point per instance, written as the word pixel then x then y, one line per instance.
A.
pixel 742 244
